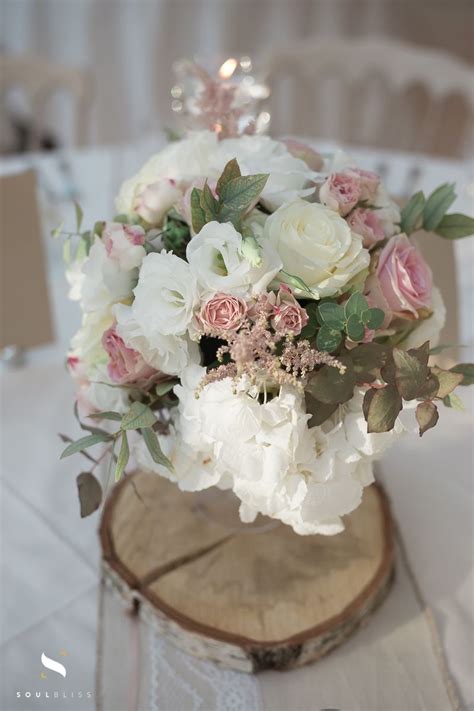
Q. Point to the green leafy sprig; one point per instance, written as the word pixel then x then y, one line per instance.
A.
pixel 429 214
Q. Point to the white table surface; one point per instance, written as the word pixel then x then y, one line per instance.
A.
pixel 50 556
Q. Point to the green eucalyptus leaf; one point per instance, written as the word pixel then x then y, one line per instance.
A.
pixel 328 339
pixel 139 415
pixel 85 443
pixel 332 315
pixel 355 328
pixel 209 204
pixel 153 446
pixel 452 400
pixel 319 411
pixel 330 386
pixel 198 216
pixel 123 457
pixel 426 415
pixel 90 493
pixel 383 409
pixel 447 380
pixel 455 226
pixel 57 231
pixel 357 304
pixel 106 415
pixel 436 205
pixel 410 373
pixel 375 318
pixel 465 369
pixel 412 212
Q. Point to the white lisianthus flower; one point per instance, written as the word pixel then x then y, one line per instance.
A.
pixel 124 244
pixel 165 295
pixel 86 344
pixel 289 176
pixel 168 354
pixel 215 256
pixel 428 329
pixel 182 161
pixel 104 281
pixel 316 245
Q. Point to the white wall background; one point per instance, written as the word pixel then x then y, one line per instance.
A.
pixel 129 45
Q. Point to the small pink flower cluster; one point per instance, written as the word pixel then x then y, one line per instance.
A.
pixel 344 190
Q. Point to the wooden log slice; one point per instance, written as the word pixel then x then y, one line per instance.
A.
pixel 264 599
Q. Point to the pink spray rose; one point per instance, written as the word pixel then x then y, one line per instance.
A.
pixel 312 158
pixel 154 201
pixel 222 313
pixel 288 315
pixel 368 183
pixel 367 225
pixel 404 277
pixel 124 244
pixel 125 364
pixel 340 192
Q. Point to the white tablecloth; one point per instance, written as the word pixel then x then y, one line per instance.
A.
pixel 50 556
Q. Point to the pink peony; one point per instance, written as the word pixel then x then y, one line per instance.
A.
pixel 312 158
pixel 125 365
pixel 367 225
pixel 222 313
pixel 404 278
pixel 368 183
pixel 340 192
pixel 154 201
pixel 288 315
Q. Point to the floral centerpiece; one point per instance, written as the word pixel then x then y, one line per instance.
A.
pixel 258 318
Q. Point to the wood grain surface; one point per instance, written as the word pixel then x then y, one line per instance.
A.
pixel 248 599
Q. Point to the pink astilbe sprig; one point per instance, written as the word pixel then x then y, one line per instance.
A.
pixel 255 351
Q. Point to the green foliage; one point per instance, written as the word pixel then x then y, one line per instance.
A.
pixel 90 493
pixel 85 442
pixel 329 386
pixel 164 388
pixel 412 212
pixel 175 235
pixel 123 457
pixel 139 415
pixel 455 226
pixel 436 206
pixel 153 446
pixel 381 408
pixel 295 282
pixel 236 193
pixel 452 400
pixel 350 319
pixel 319 411
pixel 466 370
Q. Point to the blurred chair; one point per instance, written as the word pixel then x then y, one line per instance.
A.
pixel 374 92
pixel 36 83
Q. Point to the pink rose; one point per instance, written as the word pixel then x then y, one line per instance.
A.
pixel 368 183
pixel 367 225
pixel 288 315
pixel 125 365
pixel 340 192
pixel 312 158
pixel 154 201
pixel 222 313
pixel 404 277
pixel 124 244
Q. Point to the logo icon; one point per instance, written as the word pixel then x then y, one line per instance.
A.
pixel 52 665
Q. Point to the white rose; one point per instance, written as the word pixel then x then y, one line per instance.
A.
pixel 169 354
pixel 428 329
pixel 124 244
pixel 289 177
pixel 182 160
pixel 104 282
pixel 215 256
pixel 154 201
pixel 316 245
